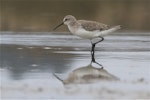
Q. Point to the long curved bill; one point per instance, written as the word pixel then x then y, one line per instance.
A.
pixel 58 26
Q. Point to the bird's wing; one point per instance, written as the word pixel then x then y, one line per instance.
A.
pixel 92 25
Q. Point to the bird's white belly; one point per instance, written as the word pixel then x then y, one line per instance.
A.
pixel 84 34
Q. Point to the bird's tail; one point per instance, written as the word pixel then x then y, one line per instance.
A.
pixel 109 31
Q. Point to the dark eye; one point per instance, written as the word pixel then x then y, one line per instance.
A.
pixel 66 19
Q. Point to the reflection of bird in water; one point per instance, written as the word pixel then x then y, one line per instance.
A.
pixel 88 30
pixel 86 74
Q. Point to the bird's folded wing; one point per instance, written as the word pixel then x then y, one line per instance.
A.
pixel 93 25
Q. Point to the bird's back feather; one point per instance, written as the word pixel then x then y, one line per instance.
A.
pixel 92 25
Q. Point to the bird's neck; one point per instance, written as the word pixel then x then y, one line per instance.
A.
pixel 72 23
pixel 73 26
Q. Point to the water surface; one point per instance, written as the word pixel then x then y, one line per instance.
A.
pixel 29 61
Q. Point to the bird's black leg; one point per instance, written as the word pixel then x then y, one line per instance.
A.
pixel 93 47
pixel 93 51
pixel 102 39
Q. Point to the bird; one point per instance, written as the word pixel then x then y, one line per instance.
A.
pixel 87 29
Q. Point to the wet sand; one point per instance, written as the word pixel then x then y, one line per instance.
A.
pixel 29 61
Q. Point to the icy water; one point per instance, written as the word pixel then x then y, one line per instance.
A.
pixel 28 62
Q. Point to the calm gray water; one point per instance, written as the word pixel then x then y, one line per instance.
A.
pixel 28 61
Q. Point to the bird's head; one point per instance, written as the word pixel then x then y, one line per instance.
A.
pixel 67 20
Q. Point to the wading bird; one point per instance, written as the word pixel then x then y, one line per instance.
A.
pixel 88 30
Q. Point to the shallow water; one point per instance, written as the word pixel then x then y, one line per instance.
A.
pixel 29 61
